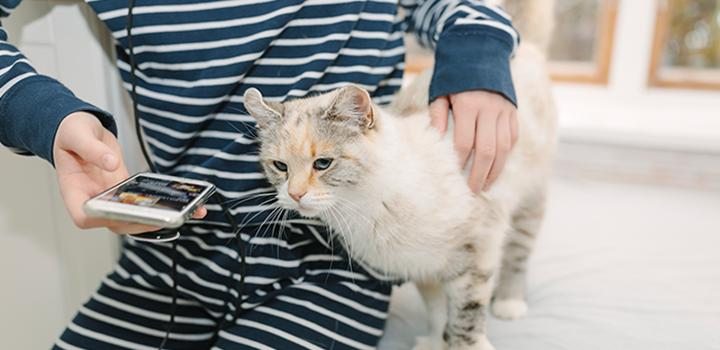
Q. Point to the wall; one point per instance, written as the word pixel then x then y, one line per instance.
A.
pixel 48 267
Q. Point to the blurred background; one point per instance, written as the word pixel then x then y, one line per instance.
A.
pixel 637 84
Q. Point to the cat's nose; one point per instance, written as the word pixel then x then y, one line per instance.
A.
pixel 297 196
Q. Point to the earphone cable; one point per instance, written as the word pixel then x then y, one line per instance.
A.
pixel 133 91
pixel 173 305
pixel 226 211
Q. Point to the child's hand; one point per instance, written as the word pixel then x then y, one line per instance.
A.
pixel 88 160
pixel 485 122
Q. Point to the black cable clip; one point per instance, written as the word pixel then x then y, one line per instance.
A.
pixel 162 235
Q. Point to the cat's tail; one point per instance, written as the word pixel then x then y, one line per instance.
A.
pixel 534 19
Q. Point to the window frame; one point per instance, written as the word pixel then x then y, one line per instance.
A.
pixel 675 77
pixel 598 71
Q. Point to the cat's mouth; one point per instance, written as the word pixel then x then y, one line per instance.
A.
pixel 307 207
pixel 302 210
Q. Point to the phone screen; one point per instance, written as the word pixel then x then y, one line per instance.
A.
pixel 154 193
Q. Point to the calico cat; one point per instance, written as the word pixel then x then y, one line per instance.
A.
pixel 389 186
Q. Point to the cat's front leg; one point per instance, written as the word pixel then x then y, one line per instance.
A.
pixel 469 292
pixel 468 297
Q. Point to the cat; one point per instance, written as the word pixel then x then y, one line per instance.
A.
pixel 390 187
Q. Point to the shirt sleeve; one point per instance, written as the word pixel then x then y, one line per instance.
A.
pixel 473 44
pixel 32 105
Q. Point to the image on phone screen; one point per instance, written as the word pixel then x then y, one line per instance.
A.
pixel 154 193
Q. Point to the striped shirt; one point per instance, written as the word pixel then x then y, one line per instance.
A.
pixel 196 58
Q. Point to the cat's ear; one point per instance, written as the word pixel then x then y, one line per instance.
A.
pixel 266 113
pixel 352 105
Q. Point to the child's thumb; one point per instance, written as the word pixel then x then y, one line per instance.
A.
pixel 86 142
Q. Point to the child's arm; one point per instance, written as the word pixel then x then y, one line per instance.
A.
pixel 33 105
pixel 39 116
pixel 473 45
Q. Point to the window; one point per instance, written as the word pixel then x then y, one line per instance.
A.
pixel 582 41
pixel 580 48
pixel 686 51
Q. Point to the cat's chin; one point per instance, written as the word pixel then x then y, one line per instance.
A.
pixel 307 212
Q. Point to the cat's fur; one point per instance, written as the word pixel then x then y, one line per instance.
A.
pixel 396 197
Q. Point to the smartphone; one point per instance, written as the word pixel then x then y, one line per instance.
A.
pixel 151 199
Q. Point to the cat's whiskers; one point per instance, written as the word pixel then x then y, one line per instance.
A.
pixel 269 219
pixel 348 246
pixel 345 238
pixel 280 223
pixel 240 113
pixel 276 222
pixel 262 230
pixel 330 231
pixel 341 213
pixel 323 201
pixel 283 223
pixel 234 127
pixel 348 203
pixel 246 220
pixel 321 214
pixel 235 202
pixel 331 238
pixel 385 265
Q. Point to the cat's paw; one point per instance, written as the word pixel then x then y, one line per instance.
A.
pixel 481 344
pixel 510 309
pixel 425 343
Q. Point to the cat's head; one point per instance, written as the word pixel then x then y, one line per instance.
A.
pixel 316 151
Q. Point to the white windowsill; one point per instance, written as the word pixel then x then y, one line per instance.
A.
pixel 660 118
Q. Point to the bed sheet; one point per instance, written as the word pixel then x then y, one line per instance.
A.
pixel 615 267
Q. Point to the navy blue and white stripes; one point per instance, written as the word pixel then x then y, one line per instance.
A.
pixel 298 295
pixel 428 19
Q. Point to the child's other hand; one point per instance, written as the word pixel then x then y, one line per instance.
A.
pixel 486 122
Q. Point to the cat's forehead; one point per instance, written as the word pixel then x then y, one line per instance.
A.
pixel 303 130
pixel 301 135
pixel 310 115
pixel 315 106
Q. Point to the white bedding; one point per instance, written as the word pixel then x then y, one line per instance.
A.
pixel 616 266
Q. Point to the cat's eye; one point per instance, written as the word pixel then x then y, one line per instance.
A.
pixel 280 165
pixel 322 163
